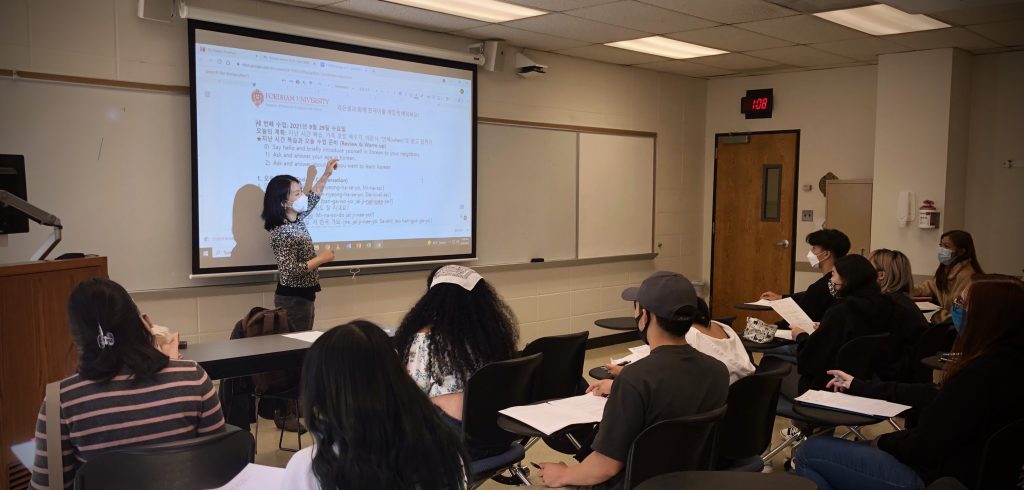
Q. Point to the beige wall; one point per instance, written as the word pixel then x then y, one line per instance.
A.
pixel 994 211
pixel 104 39
pixel 835 113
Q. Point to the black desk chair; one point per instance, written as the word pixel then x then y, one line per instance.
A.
pixel 682 444
pixel 495 387
pixel 204 462
pixel 558 376
pixel 1001 462
pixel 938 338
pixel 746 430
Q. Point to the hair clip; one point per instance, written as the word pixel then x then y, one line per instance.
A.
pixel 104 339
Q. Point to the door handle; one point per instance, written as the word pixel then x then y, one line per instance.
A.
pixel 783 244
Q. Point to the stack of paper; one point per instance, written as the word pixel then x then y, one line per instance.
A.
pixel 760 302
pixel 849 403
pixel 555 415
pixel 635 354
pixel 784 334
pixel 255 476
pixel 927 306
pixel 307 336
pixel 789 311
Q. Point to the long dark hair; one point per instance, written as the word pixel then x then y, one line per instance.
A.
pixel 468 329
pixel 992 317
pixel 859 276
pixel 101 303
pixel 965 245
pixel 372 425
pixel 273 201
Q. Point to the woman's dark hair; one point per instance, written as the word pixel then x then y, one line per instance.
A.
pixel 992 317
pixel 859 276
pixel 372 425
pixel 273 199
pixel 96 303
pixel 965 244
pixel 433 272
pixel 834 241
pixel 468 329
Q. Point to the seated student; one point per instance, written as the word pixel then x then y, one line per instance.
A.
pixel 125 392
pixel 674 381
pixel 958 262
pixel 895 280
pixel 457 327
pixel 372 426
pixel 827 246
pixel 980 393
pixel 862 309
pixel 715 339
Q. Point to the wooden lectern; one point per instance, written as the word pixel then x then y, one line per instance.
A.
pixel 35 345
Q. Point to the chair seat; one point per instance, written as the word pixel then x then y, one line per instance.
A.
pixel 487 466
pixel 752 464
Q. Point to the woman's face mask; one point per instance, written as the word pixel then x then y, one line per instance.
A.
pixel 832 289
pixel 945 256
pixel 300 204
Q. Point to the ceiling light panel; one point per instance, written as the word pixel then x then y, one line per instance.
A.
pixel 881 20
pixel 485 10
pixel 669 48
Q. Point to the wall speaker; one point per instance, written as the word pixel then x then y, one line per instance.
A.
pixel 158 10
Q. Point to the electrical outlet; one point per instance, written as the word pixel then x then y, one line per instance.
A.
pixel 807 215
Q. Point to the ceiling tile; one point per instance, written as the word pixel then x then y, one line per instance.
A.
pixel 950 37
pixel 401 14
pixel 609 54
pixel 641 17
pixel 576 28
pixel 1009 33
pixel 725 11
pixel 864 49
pixel 981 14
pixel 800 56
pixel 681 67
pixel 521 38
pixel 734 61
pixel 558 5
pixel 729 38
pixel 802 29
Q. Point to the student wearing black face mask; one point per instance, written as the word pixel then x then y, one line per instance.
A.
pixel 675 380
pixel 828 246
pixel 861 309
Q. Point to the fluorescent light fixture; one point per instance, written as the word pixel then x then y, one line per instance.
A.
pixel 881 20
pixel 485 10
pixel 663 46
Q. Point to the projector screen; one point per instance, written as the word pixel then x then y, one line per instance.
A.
pixel 402 127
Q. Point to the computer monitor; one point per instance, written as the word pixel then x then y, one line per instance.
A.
pixel 12 179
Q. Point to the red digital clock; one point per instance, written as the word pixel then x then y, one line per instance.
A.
pixel 757 104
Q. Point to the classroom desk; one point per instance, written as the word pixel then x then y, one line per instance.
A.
pixel 935 362
pixel 617 323
pixel 750 307
pixel 756 347
pixel 714 480
pixel 242 357
pixel 600 373
pixel 511 425
pixel 826 416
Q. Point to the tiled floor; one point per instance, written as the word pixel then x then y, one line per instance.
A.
pixel 268 454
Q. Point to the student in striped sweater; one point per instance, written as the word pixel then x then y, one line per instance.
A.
pixel 126 391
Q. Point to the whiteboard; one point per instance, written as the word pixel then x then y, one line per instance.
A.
pixel 526 194
pixel 616 195
pixel 114 165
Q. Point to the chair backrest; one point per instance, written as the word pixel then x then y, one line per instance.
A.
pixel 857 356
pixel 204 462
pixel 1002 463
pixel 746 430
pixel 683 444
pixel 790 388
pixel 937 338
pixel 495 387
pixel 561 367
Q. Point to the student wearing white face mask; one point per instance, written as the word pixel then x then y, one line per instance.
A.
pixel 285 209
pixel 827 246
pixel 958 263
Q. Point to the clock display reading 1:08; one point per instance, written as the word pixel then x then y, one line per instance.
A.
pixel 757 104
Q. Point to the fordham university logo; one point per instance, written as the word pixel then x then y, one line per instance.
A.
pixel 257 97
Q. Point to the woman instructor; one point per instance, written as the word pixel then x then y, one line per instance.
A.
pixel 285 209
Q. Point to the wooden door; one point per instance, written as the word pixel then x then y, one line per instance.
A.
pixel 753 227
pixel 848 208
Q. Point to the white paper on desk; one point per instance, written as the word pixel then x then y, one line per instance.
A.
pixel 629 359
pixel 25 452
pixel 928 306
pixel 792 313
pixel 760 302
pixel 641 350
pixel 850 403
pixel 555 415
pixel 255 477
pixel 307 336
pixel 784 334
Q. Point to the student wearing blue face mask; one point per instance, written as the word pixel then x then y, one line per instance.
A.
pixel 981 392
pixel 958 262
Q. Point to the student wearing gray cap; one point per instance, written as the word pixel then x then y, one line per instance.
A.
pixel 674 381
